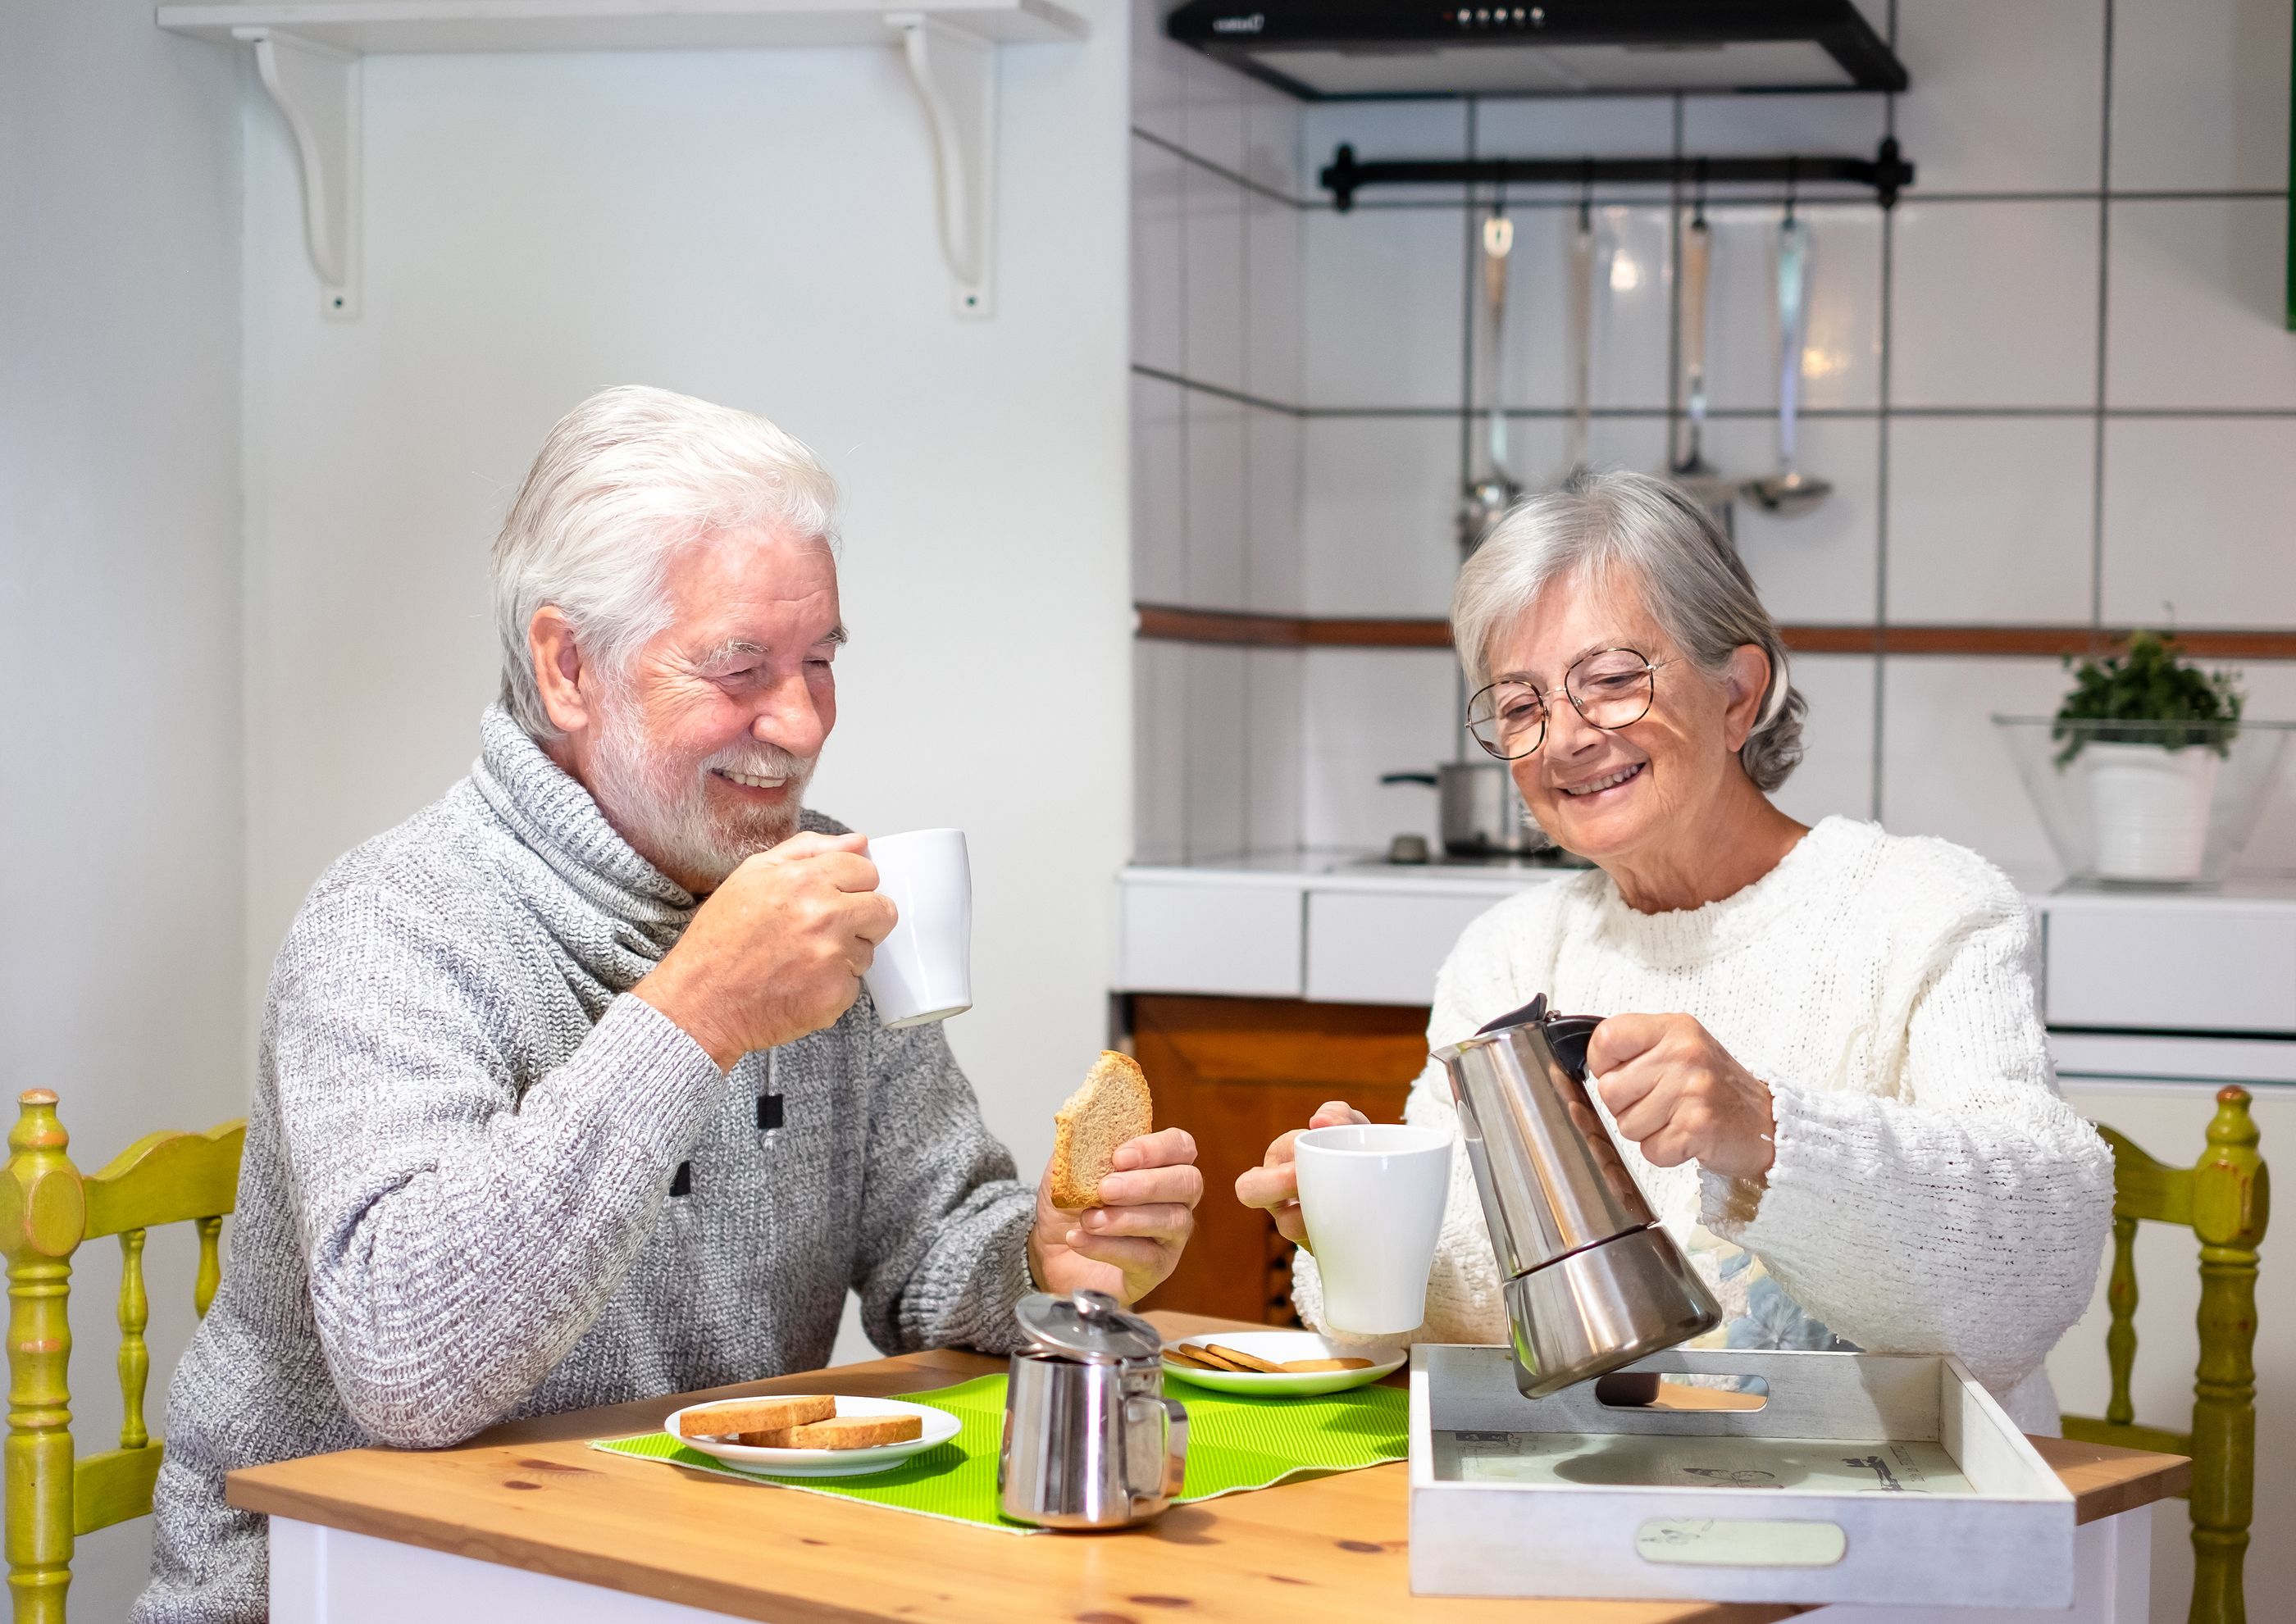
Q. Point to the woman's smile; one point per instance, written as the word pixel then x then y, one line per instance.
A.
pixel 1592 791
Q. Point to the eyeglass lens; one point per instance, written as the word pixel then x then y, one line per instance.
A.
pixel 1611 688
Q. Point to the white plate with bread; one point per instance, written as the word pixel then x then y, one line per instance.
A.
pixel 811 1435
pixel 1276 1363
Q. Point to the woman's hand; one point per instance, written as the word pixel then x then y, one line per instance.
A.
pixel 1677 1094
pixel 1275 1184
pixel 1129 1244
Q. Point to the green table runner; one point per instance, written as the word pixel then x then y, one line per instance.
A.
pixel 1234 1443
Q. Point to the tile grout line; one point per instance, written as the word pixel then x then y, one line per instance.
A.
pixel 1881 420
pixel 2103 291
pixel 1467 375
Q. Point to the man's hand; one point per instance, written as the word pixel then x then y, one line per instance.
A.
pixel 777 950
pixel 1127 1246
pixel 1274 1183
pixel 1679 1095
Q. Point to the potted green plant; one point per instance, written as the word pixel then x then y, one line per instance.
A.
pixel 2148 731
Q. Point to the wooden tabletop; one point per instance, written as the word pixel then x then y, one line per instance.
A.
pixel 534 1495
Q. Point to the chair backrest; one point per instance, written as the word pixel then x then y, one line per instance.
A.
pixel 2225 1198
pixel 47 1210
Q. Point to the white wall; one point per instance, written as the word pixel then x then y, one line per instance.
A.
pixel 120 803
pixel 756 228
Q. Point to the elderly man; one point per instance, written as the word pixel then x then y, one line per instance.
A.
pixel 569 1093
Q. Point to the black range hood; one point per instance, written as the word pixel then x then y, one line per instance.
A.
pixel 1347 50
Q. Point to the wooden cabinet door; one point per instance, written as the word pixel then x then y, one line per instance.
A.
pixel 1236 1073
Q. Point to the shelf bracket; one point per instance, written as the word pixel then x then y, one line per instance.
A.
pixel 956 75
pixel 318 88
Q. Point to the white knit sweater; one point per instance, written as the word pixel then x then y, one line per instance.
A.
pixel 1931 1192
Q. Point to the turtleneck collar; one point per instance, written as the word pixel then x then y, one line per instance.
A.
pixel 556 819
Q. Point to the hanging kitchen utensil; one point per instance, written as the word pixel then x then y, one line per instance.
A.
pixel 1485 500
pixel 1707 484
pixel 1789 491
pixel 1582 333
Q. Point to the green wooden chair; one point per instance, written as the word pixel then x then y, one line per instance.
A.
pixel 47 1210
pixel 2225 1198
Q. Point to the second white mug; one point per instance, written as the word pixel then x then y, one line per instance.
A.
pixel 923 970
pixel 1373 1196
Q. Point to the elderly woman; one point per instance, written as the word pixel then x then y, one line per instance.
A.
pixel 1822 1055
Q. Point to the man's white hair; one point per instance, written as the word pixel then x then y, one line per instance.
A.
pixel 623 481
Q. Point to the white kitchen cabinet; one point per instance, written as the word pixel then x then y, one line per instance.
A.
pixel 2171 963
pixel 1184 930
pixel 1383 946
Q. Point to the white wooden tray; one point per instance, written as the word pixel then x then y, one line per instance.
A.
pixel 1863 1477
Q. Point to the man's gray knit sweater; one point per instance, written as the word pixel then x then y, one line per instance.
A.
pixel 482 1182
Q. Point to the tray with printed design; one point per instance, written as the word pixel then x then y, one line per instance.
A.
pixel 1753 1476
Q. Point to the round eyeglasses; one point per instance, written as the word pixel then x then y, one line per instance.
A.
pixel 1610 688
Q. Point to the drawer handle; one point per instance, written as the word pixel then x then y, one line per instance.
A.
pixel 1715 1542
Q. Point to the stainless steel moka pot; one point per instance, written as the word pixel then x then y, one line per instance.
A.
pixel 1090 1440
pixel 1592 1281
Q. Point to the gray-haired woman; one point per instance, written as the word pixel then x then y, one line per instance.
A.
pixel 1823 1053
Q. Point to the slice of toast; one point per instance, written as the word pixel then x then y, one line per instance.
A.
pixel 771 1412
pixel 1113 1105
pixel 840 1432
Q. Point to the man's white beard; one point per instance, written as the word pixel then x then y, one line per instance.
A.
pixel 662 808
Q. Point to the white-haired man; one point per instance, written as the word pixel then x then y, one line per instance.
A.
pixel 569 1093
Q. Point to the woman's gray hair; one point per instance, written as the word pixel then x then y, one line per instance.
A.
pixel 1669 548
pixel 623 481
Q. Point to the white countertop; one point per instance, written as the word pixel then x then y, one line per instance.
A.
pixel 2133 981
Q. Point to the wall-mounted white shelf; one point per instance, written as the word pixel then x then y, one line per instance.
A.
pixel 309 54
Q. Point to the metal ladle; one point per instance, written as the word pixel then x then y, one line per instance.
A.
pixel 1486 499
pixel 1706 484
pixel 1789 491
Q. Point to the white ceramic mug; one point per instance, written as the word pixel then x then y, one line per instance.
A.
pixel 923 971
pixel 1373 1196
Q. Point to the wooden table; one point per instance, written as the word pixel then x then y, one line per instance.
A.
pixel 525 1521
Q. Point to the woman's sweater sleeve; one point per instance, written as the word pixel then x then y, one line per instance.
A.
pixel 1969 1215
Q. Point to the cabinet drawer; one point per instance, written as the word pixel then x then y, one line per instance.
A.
pixel 1382 947
pixel 1196 937
pixel 2190 966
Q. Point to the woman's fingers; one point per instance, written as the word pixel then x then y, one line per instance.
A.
pixel 1291 1224
pixel 1332 1113
pixel 1273 1185
pixel 1621 1037
pixel 1133 1256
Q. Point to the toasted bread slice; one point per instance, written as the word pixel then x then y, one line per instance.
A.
pixel 1112 1106
pixel 770 1413
pixel 840 1432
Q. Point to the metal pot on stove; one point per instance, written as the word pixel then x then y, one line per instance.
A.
pixel 1481 812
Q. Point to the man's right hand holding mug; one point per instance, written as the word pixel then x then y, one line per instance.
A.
pixel 1274 1185
pixel 778 950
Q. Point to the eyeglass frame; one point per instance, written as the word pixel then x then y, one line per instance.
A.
pixel 1650 669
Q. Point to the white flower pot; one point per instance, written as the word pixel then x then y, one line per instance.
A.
pixel 2149 809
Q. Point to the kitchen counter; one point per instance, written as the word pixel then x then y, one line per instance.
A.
pixel 528 1521
pixel 2150 983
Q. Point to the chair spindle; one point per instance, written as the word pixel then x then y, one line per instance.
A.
pixel 41 1214
pixel 134 1354
pixel 2120 1339
pixel 2231 1203
pixel 210 1275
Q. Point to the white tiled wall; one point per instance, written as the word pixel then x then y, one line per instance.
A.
pixel 2041 401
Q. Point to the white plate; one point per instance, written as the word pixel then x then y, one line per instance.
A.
pixel 941 1427
pixel 1279 1347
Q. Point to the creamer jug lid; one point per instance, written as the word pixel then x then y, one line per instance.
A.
pixel 1089 1325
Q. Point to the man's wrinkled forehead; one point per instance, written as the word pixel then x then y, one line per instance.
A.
pixel 762 585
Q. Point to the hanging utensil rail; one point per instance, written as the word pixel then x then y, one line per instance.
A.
pixel 1887 172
